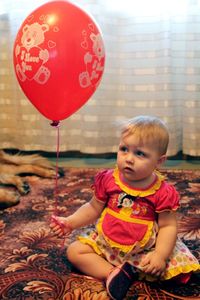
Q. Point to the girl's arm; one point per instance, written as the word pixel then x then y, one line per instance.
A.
pixel 155 261
pixel 85 215
pixel 167 234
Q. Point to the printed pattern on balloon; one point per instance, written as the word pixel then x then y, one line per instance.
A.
pixel 93 58
pixel 30 55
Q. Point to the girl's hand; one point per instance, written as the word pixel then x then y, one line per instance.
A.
pixel 60 226
pixel 153 264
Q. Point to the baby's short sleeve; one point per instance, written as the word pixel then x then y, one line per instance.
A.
pixel 167 198
pixel 100 185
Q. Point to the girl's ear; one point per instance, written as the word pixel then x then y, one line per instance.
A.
pixel 161 160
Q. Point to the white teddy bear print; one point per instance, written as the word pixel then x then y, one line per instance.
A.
pixel 30 56
pixel 93 61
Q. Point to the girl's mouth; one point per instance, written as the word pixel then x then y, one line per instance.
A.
pixel 128 170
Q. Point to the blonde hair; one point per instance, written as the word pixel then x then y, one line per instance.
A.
pixel 149 130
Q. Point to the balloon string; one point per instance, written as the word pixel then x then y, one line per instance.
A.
pixel 56 181
pixel 56 125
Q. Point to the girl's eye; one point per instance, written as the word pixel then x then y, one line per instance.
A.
pixel 123 149
pixel 140 153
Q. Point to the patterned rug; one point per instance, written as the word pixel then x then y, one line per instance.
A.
pixel 33 264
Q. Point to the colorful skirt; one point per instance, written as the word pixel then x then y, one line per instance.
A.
pixel 181 261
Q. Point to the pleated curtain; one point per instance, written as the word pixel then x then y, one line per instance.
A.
pixel 152 67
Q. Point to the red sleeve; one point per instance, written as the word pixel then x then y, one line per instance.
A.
pixel 167 198
pixel 100 185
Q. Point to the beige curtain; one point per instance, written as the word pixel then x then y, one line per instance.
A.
pixel 152 67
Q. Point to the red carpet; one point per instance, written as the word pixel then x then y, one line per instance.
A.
pixel 32 260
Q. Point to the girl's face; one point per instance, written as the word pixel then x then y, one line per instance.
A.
pixel 137 161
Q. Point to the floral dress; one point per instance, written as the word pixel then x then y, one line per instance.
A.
pixel 127 227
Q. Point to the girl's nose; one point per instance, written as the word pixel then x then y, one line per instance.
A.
pixel 130 158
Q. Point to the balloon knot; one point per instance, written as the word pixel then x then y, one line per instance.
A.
pixel 55 123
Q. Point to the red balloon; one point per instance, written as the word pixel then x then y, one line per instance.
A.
pixel 58 58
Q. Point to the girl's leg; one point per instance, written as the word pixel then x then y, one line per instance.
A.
pixel 118 279
pixel 84 258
